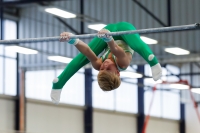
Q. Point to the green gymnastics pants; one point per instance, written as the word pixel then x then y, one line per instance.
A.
pixel 97 45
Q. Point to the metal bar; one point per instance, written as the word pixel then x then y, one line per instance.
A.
pixel 88 112
pixel 22 101
pixel 191 75
pixel 182 118
pixel 142 31
pixel 1 37
pixel 1 21
pixel 82 13
pixel 141 115
pixel 150 13
pixel 169 12
pixel 19 97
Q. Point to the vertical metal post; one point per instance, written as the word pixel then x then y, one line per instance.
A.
pixel 20 102
pixel 82 13
pixel 17 102
pixel 182 118
pixel 1 37
pixel 169 12
pixel 141 116
pixel 191 74
pixel 182 115
pixel 1 17
pixel 88 112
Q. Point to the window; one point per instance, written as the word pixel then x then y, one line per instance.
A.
pixel 1 49
pixel 166 102
pixel 10 76
pixel 171 105
pixel 39 84
pixel 9 65
pixel 156 106
pixel 1 75
pixel 101 99
pixel 8 27
pixel 126 98
pixel 74 90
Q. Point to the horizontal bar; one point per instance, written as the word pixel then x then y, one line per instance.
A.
pixel 142 31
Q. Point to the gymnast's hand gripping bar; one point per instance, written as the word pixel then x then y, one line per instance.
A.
pixel 142 31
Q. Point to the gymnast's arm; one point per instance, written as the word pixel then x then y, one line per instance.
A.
pixel 115 49
pixel 119 53
pixel 79 61
pixel 85 49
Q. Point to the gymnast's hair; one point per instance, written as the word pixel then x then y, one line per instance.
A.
pixel 108 81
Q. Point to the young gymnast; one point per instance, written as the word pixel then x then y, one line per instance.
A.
pixel 118 51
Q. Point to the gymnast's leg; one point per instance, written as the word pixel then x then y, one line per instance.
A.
pixel 134 41
pixel 97 46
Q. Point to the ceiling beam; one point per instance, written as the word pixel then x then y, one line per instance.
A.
pixel 67 25
pixel 173 59
pixel 150 13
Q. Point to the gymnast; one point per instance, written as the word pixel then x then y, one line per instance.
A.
pixel 117 56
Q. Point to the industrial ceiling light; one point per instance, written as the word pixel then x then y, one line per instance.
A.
pixel 60 13
pixel 129 74
pixel 148 40
pixel 196 90
pixel 177 51
pixel 179 86
pixel 60 59
pixel 21 50
pixel 151 81
pixel 96 26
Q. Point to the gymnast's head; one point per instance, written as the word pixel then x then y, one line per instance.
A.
pixel 109 76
